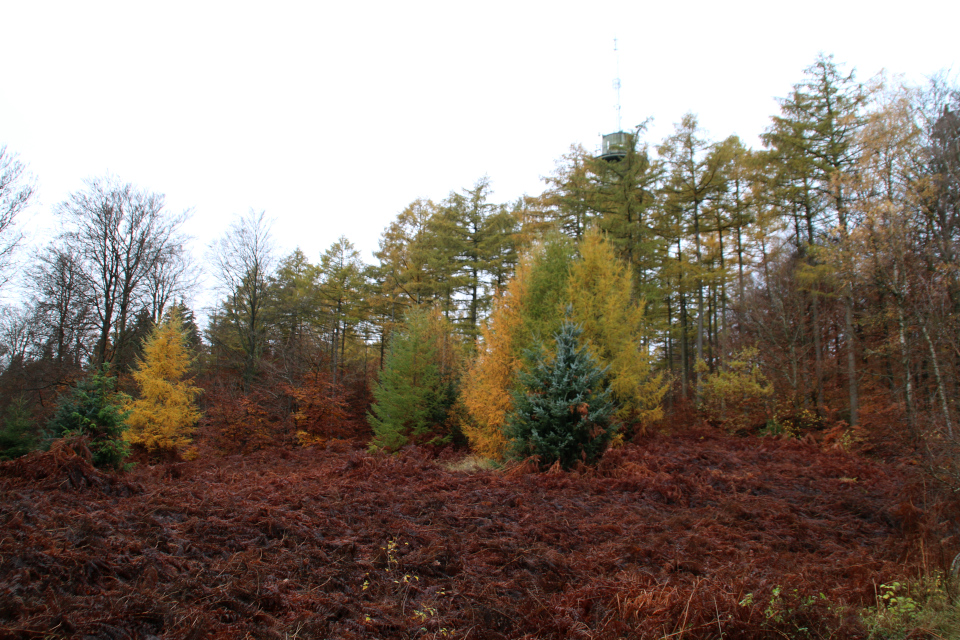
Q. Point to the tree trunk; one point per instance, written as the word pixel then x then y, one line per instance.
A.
pixel 696 235
pixel 818 351
pixel 684 358
pixel 941 389
pixel 851 360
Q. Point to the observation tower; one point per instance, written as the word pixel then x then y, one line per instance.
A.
pixel 614 146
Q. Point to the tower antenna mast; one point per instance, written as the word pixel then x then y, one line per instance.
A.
pixel 614 146
pixel 616 83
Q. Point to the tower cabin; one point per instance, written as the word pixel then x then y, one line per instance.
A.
pixel 614 147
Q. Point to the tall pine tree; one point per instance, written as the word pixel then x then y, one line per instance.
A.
pixel 418 384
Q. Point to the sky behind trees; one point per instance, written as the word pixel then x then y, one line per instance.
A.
pixel 333 119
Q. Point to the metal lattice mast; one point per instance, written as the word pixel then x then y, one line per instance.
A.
pixel 616 84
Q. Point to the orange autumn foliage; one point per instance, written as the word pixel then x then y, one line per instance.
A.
pixel 320 410
pixel 491 376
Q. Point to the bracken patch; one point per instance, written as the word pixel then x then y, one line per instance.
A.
pixel 695 535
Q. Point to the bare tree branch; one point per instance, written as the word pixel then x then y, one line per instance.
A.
pixel 120 233
pixel 243 260
pixel 16 190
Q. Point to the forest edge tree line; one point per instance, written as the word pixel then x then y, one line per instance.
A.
pixel 810 286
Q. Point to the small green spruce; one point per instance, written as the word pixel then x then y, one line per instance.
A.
pixel 18 434
pixel 95 410
pixel 562 410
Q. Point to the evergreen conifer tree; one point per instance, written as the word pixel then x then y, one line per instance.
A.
pixel 18 434
pixel 562 410
pixel 95 410
pixel 418 384
pixel 163 418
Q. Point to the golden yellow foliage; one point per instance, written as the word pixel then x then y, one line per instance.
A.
pixel 165 414
pixel 735 394
pixel 600 290
pixel 305 439
pixel 486 386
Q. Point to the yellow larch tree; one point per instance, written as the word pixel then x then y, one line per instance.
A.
pixel 163 418
pixel 491 376
pixel 600 291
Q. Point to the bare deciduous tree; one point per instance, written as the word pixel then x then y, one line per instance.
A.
pixel 62 306
pixel 16 190
pixel 171 278
pixel 243 259
pixel 120 233
pixel 16 335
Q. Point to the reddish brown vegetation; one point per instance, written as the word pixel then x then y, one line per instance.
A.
pixel 270 416
pixel 668 535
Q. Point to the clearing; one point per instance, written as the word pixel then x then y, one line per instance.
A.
pixel 692 535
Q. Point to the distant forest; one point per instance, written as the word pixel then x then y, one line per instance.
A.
pixel 809 288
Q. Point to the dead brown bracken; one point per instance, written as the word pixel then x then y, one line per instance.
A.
pixel 687 535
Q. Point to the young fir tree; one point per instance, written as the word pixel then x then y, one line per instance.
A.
pixel 562 408
pixel 18 435
pixel 163 418
pixel 95 410
pixel 418 384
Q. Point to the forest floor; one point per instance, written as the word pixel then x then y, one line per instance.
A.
pixel 698 535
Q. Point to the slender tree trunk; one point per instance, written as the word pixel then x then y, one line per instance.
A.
pixel 908 378
pixel 684 358
pixel 669 336
pixel 343 348
pixel 684 351
pixel 696 235
pixel 720 326
pixel 103 342
pixel 711 326
pixel 335 342
pixel 851 360
pixel 383 343
pixel 941 389
pixel 475 280
pixel 904 353
pixel 738 225
pixel 795 377
pixel 848 328
pixel 740 264
pixel 808 215
pixel 817 351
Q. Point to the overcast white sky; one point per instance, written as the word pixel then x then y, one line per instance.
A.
pixel 333 116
